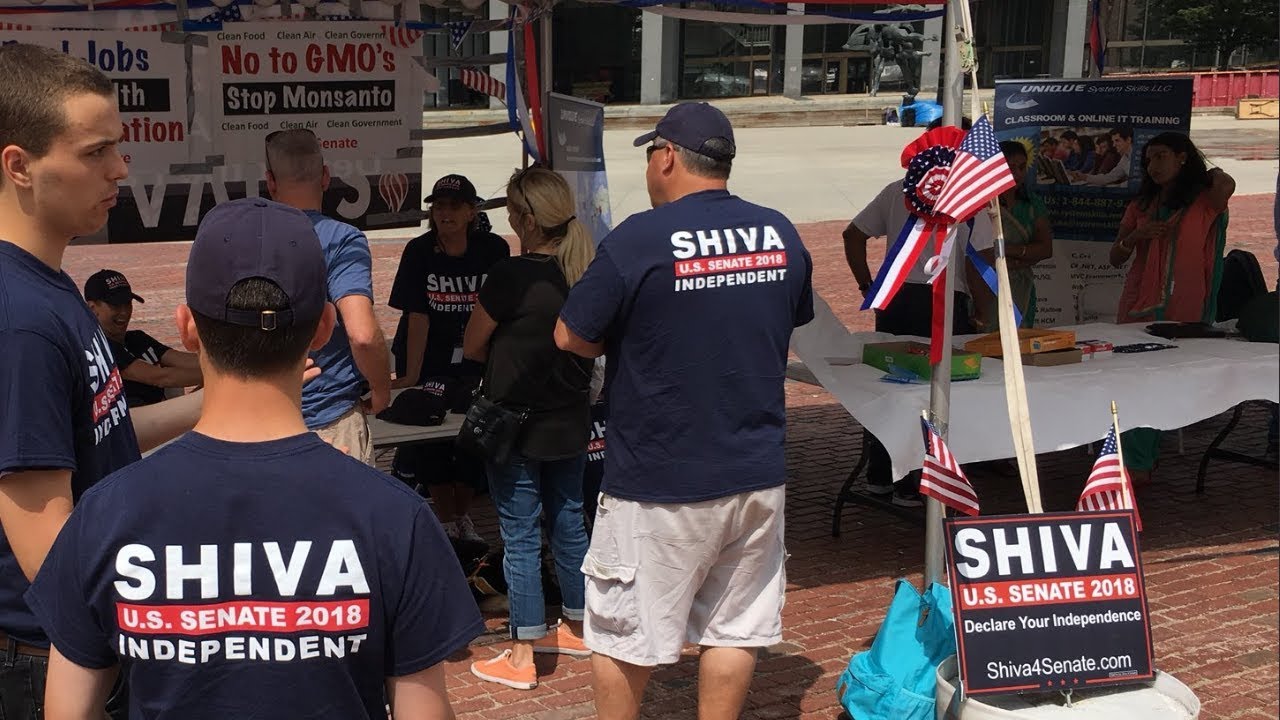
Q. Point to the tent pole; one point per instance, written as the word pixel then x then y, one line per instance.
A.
pixel 940 384
pixel 546 76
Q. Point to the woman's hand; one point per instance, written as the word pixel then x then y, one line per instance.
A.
pixel 1149 231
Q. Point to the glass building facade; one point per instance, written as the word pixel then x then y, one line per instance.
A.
pixel 601 52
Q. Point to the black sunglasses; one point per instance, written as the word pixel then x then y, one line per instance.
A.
pixel 276 133
pixel 518 183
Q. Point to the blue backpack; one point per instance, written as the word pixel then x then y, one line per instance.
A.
pixel 896 678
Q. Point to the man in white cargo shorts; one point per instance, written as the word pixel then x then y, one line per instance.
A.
pixel 694 303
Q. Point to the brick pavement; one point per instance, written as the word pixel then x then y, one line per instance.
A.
pixel 1213 563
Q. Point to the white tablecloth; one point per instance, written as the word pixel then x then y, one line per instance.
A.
pixel 1070 404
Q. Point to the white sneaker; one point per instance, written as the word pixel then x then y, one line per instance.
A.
pixel 451 529
pixel 467 530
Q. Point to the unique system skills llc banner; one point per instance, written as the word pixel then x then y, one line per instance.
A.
pixel 1084 141
pixel 1053 601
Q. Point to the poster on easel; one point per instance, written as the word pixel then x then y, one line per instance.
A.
pixel 1084 141
pixel 576 141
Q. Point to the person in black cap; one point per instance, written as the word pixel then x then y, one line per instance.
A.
pixel 436 287
pixel 694 302
pixel 220 576
pixel 147 365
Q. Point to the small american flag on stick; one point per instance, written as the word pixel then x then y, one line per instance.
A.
pixel 1108 485
pixel 941 478
pixel 978 174
pixel 483 82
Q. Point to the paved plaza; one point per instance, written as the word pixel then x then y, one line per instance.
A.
pixel 1212 561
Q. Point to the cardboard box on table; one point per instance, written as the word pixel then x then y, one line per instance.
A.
pixel 914 357
pixel 1030 341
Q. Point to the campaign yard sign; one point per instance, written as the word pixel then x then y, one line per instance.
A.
pixel 1053 601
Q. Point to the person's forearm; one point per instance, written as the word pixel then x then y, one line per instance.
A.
pixel 157 424
pixel 416 345
pixel 1121 250
pixel 855 255
pixel 34 505
pixel 373 362
pixel 178 377
pixel 76 693
pixel 179 359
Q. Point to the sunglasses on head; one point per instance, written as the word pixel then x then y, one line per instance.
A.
pixel 276 133
pixel 518 183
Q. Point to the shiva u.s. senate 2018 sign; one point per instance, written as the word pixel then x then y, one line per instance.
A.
pixel 1054 601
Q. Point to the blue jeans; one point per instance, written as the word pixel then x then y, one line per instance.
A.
pixel 520 490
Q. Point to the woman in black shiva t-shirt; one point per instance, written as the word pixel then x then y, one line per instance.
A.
pixel 436 286
pixel 512 330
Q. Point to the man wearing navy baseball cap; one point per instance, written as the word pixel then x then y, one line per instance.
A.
pixel 245 568
pixel 693 302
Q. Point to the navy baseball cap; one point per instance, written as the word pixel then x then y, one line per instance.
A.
pixel 109 286
pixel 690 125
pixel 257 238
pixel 455 187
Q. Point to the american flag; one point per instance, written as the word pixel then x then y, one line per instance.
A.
pixel 230 13
pixel 483 82
pixel 458 32
pixel 1108 485
pixel 401 37
pixel 1097 38
pixel 979 174
pixel 942 479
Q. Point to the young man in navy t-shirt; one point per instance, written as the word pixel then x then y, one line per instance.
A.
pixel 356 355
pixel 64 421
pixel 694 303
pixel 249 569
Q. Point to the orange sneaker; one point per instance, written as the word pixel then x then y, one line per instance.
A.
pixel 501 671
pixel 561 640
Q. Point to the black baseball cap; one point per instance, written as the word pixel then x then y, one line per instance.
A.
pixel 109 286
pixel 257 238
pixel 690 125
pixel 454 187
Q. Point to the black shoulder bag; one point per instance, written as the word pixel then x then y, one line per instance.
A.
pixel 490 430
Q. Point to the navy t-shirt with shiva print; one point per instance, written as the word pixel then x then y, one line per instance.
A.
pixel 695 302
pixel 276 578
pixel 62 402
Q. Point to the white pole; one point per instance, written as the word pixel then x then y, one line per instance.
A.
pixel 940 383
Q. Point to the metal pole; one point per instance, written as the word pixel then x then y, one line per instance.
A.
pixel 940 384
pixel 546 85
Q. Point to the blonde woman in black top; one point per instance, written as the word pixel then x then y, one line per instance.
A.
pixel 511 331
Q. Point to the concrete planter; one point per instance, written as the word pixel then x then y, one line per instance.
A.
pixel 1165 699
